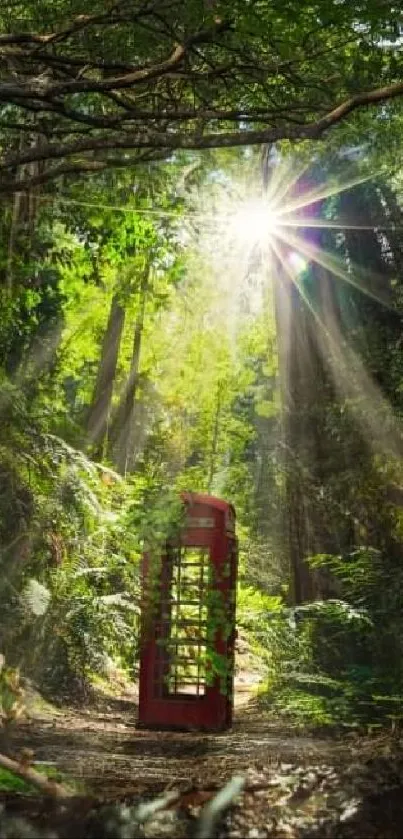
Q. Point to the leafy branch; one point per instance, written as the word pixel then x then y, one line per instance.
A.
pixel 27 773
pixel 141 80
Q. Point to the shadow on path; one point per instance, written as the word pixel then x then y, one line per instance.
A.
pixel 102 747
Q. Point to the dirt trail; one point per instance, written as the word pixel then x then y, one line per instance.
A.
pixel 101 746
pixel 296 786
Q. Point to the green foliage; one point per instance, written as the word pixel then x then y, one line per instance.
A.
pixel 239 77
pixel 10 783
pixel 308 652
pixel 11 701
pixel 335 662
pixel 254 607
pixel 71 576
pixel 374 656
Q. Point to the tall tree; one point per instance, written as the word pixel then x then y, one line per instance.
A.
pixel 99 413
pixel 123 442
pixel 337 342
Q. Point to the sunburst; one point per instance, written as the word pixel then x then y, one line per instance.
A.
pixel 293 238
pixel 285 219
pixel 270 240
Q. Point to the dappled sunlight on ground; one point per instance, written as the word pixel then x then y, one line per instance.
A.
pixel 296 785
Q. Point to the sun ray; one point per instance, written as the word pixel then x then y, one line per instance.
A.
pixel 321 193
pixel 327 261
pixel 282 181
pixel 293 276
pixel 366 400
pixel 311 223
pixel 361 389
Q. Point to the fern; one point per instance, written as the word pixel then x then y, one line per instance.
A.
pixel 35 597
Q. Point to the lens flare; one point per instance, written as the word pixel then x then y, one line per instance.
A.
pixel 253 222
pixel 297 262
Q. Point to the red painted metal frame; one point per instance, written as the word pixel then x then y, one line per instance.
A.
pixel 213 710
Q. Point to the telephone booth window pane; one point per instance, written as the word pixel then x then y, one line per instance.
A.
pixel 182 632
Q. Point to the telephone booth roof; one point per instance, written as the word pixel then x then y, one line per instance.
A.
pixel 209 500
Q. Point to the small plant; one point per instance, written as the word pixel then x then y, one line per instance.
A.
pixel 12 705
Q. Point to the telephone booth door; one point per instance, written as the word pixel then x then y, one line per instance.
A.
pixel 188 635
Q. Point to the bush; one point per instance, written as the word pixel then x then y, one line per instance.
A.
pixel 340 661
pixel 70 562
pixel 320 667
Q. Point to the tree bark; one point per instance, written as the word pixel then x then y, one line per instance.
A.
pixel 100 409
pixel 214 443
pixel 295 374
pixel 123 424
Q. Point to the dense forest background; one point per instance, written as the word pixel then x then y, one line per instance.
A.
pixel 155 337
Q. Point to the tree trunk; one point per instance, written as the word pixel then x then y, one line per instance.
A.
pixel 100 409
pixel 296 379
pixel 123 425
pixel 306 318
pixel 214 443
pixel 15 216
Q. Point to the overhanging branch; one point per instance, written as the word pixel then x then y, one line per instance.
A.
pixel 172 79
pixel 154 140
pixel 372 97
pixel 81 167
pixel 43 89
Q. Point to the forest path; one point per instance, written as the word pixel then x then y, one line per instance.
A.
pixel 101 746
pixel 296 785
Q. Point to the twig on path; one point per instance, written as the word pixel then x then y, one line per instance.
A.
pixel 26 772
pixel 146 811
pixel 213 811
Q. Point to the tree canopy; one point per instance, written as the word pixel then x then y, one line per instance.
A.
pixel 135 80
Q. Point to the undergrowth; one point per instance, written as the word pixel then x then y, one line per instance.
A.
pixel 10 783
pixel 333 663
pixel 72 534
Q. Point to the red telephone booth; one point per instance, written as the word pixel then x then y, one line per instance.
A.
pixel 188 622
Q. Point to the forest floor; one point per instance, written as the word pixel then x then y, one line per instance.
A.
pixel 296 785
